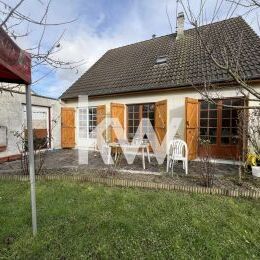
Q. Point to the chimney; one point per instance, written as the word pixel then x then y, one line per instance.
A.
pixel 180 25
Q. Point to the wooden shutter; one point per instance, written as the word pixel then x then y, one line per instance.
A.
pixel 101 115
pixel 117 111
pixel 67 127
pixel 192 106
pixel 160 118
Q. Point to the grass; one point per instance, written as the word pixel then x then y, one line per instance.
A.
pixel 80 220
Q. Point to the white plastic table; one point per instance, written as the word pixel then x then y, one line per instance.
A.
pixel 142 146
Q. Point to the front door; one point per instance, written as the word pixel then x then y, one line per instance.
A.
pixel 219 125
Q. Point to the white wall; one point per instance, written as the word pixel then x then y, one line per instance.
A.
pixel 12 116
pixel 175 98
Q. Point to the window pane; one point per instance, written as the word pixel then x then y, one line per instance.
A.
pixel 130 135
pixel 203 114
pixel 151 107
pixel 133 119
pixel 237 102
pixel 225 140
pixel 145 108
pixel 234 122
pixel 234 131
pixel 83 123
pixel 212 140
pixel 212 105
pixel 136 115
pixel 213 114
pixel 92 120
pixel 147 111
pixel 136 108
pixel 204 105
pixel 131 115
pixel 204 122
pixel 227 102
pixel 234 113
pixel 203 131
pixel 151 115
pixel 83 132
pixel 226 122
pixel 213 131
pixel 136 123
pixel 212 122
pixel 226 113
pixel 83 117
pixel 83 111
pixel 225 131
pixel 234 140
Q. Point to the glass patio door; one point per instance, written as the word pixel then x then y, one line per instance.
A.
pixel 219 125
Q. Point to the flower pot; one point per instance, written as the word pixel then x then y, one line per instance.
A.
pixel 256 171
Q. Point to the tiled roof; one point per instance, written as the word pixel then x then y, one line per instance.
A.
pixel 133 67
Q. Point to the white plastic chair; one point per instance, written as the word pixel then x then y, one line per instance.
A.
pixel 178 151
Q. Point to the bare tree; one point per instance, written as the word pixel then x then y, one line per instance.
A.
pixel 20 25
pixel 246 3
pixel 221 52
pixel 207 164
pixel 40 144
pixel 226 56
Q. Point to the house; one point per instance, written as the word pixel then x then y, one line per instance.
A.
pixel 45 120
pixel 159 79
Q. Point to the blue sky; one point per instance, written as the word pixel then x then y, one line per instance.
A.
pixel 102 25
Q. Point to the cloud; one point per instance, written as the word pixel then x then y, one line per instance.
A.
pixel 87 43
pixel 102 25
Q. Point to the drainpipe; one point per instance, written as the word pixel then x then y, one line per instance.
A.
pixel 31 157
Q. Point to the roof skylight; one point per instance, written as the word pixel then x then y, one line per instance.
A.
pixel 161 59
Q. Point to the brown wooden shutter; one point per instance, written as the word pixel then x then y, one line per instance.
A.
pixel 67 127
pixel 192 106
pixel 160 118
pixel 101 115
pixel 117 111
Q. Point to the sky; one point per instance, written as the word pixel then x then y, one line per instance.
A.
pixel 101 25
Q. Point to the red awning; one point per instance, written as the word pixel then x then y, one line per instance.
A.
pixel 15 64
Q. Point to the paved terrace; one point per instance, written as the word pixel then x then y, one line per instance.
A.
pixel 68 159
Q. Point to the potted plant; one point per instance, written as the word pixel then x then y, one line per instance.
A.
pixel 254 162
pixel 254 141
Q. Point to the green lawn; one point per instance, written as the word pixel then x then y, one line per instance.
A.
pixel 80 220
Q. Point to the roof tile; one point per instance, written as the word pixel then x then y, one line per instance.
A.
pixel 133 68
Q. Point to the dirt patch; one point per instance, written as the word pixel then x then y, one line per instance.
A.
pixel 248 183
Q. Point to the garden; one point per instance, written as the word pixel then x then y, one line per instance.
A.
pixel 82 220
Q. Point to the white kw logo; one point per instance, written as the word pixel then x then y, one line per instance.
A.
pixel 129 149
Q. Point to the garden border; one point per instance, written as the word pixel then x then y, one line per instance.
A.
pixel 140 184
